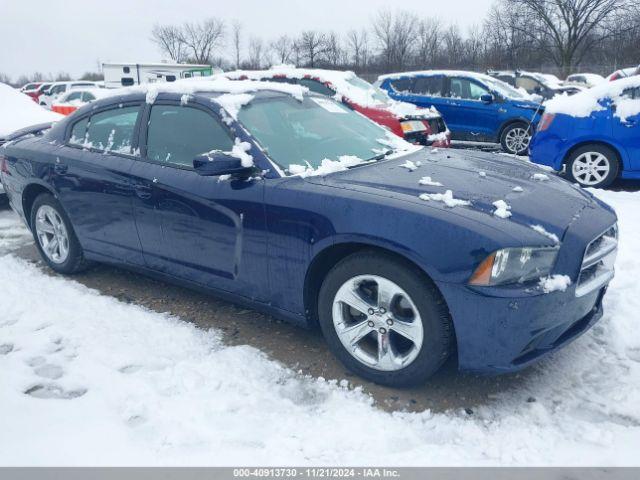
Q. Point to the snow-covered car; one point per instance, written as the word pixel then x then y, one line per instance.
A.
pixel 16 112
pixel 56 89
pixel 476 107
pixel 544 84
pixel 77 97
pixel 31 89
pixel 624 73
pixel 424 126
pixel 585 79
pixel 289 201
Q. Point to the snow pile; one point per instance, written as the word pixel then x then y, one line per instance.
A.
pixel 503 210
pixel 429 182
pixel 111 383
pixel 540 177
pixel 585 103
pixel 326 167
pixel 518 189
pixel 409 165
pixel 555 283
pixel 232 103
pixel 18 110
pixel 541 230
pixel 346 85
pixel 446 198
pixel 240 150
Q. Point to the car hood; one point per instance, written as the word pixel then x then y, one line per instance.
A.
pixel 535 196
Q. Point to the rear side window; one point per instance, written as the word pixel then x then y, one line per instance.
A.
pixel 317 87
pixel 110 131
pixel 466 89
pixel 430 86
pixel 402 85
pixel 178 134
pixel 74 96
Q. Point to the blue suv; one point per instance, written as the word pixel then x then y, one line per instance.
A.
pixel 594 135
pixel 476 107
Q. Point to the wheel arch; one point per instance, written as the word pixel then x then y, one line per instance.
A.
pixel 507 123
pixel 29 195
pixel 328 257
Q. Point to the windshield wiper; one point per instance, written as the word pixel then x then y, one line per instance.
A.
pixel 380 156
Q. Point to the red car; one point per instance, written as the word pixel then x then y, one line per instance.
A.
pixel 414 124
pixel 31 89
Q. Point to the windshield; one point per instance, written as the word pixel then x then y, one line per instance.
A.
pixel 375 93
pixel 294 132
pixel 504 88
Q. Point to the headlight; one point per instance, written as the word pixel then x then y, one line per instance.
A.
pixel 515 265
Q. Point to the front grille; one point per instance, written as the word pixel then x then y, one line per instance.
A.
pixel 598 263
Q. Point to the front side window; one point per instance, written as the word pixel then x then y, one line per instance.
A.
pixel 74 96
pixel 88 97
pixel 429 86
pixel 317 87
pixel 310 131
pixel 466 89
pixel 111 130
pixel 178 134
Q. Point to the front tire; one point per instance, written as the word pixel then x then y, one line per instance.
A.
pixel 54 236
pixel 384 320
pixel 594 166
pixel 515 138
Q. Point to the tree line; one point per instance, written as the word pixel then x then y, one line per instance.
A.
pixel 559 36
pixel 555 36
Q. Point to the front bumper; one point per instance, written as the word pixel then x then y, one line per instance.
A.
pixel 499 335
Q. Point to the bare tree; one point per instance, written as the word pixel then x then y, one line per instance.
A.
pixel 256 53
pixel 383 28
pixel 333 50
pixel 236 33
pixel 358 45
pixel 202 39
pixel 429 36
pixel 169 40
pixel 312 46
pixel 282 49
pixel 567 29
pixel 6 79
pixel 404 36
pixel 454 46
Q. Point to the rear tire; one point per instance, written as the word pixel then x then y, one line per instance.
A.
pixel 515 138
pixel 593 165
pixel 405 334
pixel 54 236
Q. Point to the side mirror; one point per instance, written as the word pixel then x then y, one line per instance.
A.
pixel 487 98
pixel 219 163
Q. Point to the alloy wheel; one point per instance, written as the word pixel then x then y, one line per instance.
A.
pixel 590 168
pixel 517 139
pixel 377 322
pixel 52 234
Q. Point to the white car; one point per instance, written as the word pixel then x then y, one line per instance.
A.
pixel 59 88
pixel 585 79
pixel 76 97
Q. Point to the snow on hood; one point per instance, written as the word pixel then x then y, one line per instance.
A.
pixel 17 111
pixel 584 103
pixel 346 84
pixel 529 201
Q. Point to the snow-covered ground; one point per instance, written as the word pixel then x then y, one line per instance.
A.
pixel 88 380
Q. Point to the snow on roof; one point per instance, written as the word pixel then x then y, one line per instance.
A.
pixel 446 73
pixel 345 83
pixel 17 111
pixel 584 103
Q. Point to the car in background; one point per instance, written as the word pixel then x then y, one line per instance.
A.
pixel 195 182
pixel 593 136
pixel 624 73
pixel 423 126
pixel 31 89
pixel 77 97
pixel 585 79
pixel 476 107
pixel 56 89
pixel 41 89
pixel 543 84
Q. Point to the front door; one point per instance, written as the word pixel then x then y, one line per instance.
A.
pixel 626 125
pixel 208 230
pixel 466 115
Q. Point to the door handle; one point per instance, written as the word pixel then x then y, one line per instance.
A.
pixel 629 123
pixel 143 191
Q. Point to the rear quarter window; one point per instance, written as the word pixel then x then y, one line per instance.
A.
pixel 429 86
pixel 109 131
pixel 402 85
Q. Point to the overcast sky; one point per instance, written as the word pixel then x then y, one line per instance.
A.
pixel 75 35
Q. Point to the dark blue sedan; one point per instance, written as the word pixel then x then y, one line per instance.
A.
pixel 291 203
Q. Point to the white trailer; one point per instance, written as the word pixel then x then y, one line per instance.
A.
pixel 127 74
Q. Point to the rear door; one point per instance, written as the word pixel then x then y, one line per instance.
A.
pixel 208 230
pixel 466 115
pixel 91 176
